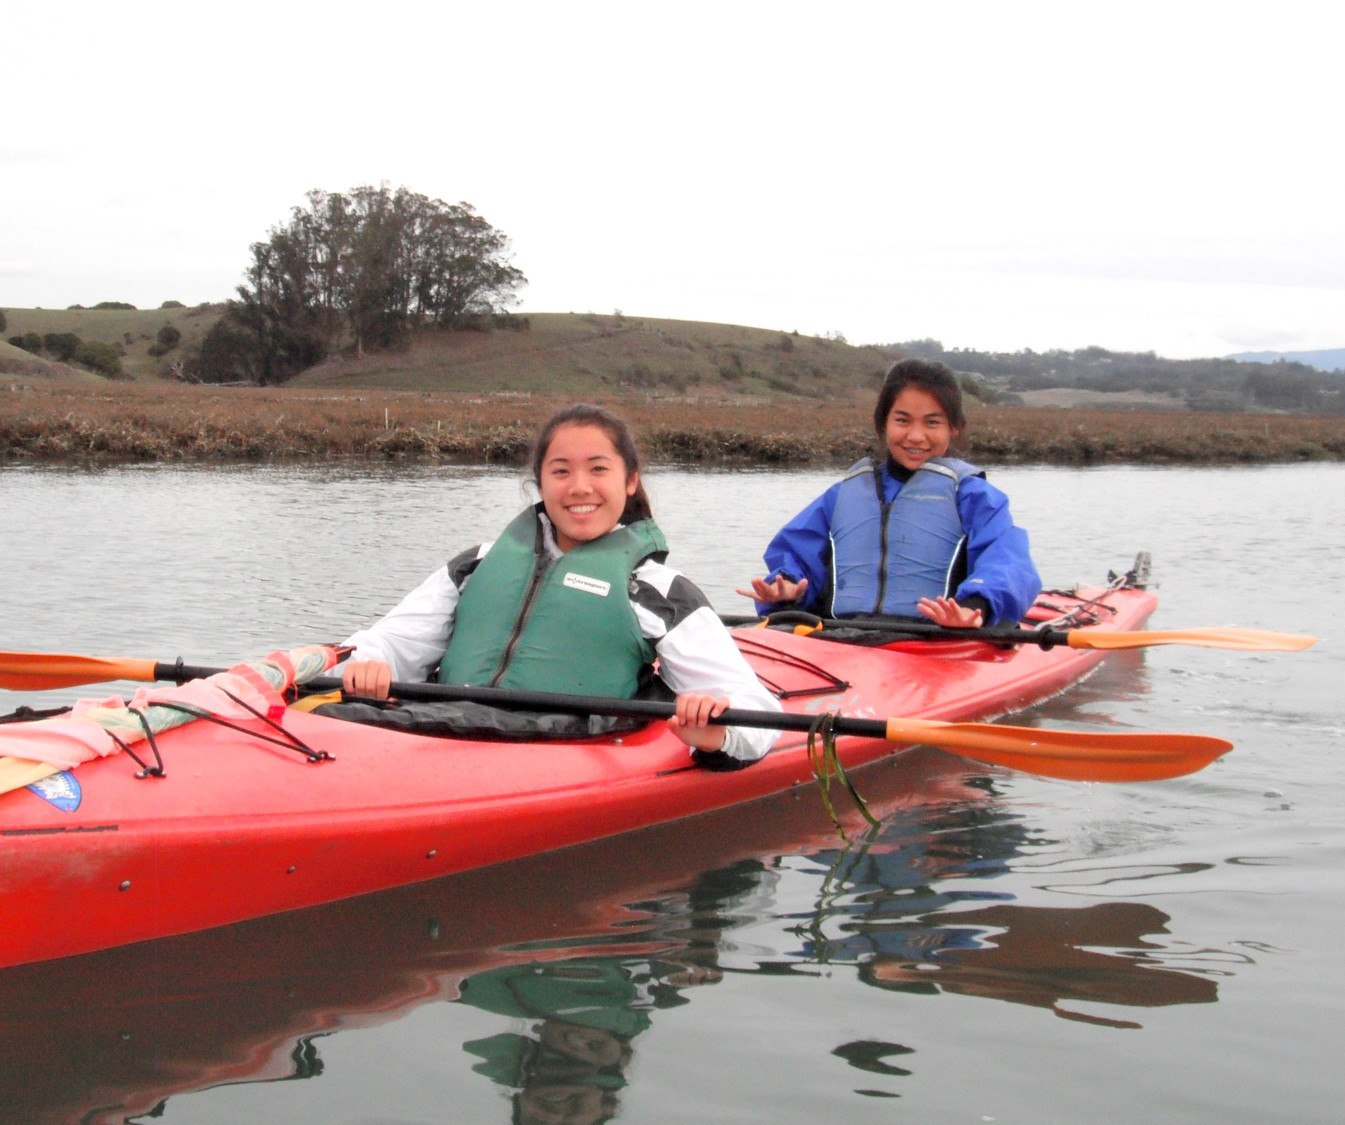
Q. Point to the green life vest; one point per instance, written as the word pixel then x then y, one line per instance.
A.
pixel 532 623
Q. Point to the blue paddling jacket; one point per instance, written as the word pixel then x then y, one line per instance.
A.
pixel 881 538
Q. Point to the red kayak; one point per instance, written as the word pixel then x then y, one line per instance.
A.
pixel 241 826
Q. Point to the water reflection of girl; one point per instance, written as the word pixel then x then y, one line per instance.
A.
pixel 894 887
pixel 569 1074
pixel 908 929
pixel 568 1067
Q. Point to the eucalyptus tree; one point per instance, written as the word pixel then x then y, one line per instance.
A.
pixel 359 269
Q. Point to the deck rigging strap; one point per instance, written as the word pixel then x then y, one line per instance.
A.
pixel 831 682
pixel 1087 612
pixel 289 741
pixel 146 770
pixel 26 714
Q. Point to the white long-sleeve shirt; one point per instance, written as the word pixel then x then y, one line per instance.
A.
pixel 695 651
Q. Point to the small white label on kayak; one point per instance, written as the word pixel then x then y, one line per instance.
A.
pixel 588 585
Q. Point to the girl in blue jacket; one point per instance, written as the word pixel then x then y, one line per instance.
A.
pixel 918 533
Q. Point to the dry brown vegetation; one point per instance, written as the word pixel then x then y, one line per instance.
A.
pixel 60 421
pixel 697 394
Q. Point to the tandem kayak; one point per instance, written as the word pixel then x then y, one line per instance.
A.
pixel 241 825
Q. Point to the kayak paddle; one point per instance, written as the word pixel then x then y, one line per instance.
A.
pixel 43 671
pixel 1073 755
pixel 1245 640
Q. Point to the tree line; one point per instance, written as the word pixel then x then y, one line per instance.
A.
pixel 356 270
pixel 1220 385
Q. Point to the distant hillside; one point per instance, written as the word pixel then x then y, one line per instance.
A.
pixel 133 333
pixel 601 355
pixel 1139 380
pixel 16 359
pixel 554 353
pixel 585 354
pixel 1331 359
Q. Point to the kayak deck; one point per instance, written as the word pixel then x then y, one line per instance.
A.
pixel 240 827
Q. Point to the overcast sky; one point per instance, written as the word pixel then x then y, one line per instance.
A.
pixel 1153 176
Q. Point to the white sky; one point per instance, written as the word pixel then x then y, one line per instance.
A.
pixel 997 175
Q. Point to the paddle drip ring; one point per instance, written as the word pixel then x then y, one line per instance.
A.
pixel 826 766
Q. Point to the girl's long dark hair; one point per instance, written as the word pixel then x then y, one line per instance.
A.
pixel 617 431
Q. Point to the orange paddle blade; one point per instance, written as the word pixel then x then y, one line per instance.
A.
pixel 42 671
pixel 1244 640
pixel 1072 755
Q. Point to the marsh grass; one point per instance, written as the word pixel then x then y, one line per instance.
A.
pixel 79 423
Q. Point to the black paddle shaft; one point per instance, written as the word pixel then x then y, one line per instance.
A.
pixel 900 627
pixel 568 704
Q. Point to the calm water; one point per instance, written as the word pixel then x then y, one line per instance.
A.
pixel 1006 948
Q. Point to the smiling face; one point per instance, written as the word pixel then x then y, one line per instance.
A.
pixel 584 484
pixel 917 428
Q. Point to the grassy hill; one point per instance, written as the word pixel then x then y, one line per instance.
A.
pixel 587 354
pixel 16 363
pixel 131 331
pixel 564 354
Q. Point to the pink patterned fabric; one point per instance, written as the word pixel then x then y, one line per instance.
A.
pixel 86 733
pixel 63 742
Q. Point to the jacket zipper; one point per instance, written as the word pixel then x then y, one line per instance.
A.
pixel 884 506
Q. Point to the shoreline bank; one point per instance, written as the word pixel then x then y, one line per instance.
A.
pixel 44 423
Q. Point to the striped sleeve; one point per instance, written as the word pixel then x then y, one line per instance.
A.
pixel 697 654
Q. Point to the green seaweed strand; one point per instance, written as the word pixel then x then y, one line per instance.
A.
pixel 826 766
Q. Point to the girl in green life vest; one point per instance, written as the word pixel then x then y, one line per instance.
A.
pixel 573 597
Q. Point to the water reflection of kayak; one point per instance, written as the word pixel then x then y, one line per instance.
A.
pixel 240 827
pixel 1054 958
pixel 126 1028
pixel 118 1031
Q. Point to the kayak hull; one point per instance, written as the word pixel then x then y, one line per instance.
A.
pixel 240 828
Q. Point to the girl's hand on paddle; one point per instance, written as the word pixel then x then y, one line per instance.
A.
pixel 780 590
pixel 371 679
pixel 947 613
pixel 690 722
